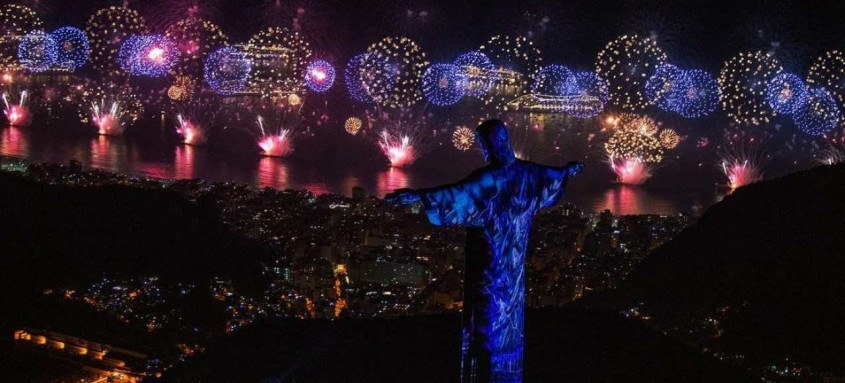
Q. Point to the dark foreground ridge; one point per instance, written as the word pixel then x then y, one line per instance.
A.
pixel 561 346
pixel 756 280
pixel 55 235
pixel 765 268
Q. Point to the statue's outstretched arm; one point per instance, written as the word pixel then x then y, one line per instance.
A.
pixel 460 203
pixel 407 196
pixel 569 170
pixel 403 197
pixel 553 181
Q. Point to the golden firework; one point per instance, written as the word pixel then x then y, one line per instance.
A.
pixel 182 88
pixel 352 125
pixel 669 139
pixel 463 138
pixel 627 63
pixel 743 82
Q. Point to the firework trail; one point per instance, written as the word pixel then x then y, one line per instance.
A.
pixel 17 114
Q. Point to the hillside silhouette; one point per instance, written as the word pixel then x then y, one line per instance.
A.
pixel 60 236
pixel 767 262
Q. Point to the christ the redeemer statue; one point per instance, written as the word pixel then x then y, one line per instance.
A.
pixel 496 203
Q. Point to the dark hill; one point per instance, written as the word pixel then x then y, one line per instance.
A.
pixel 58 236
pixel 561 346
pixel 769 262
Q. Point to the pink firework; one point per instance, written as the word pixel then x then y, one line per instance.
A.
pixel 834 154
pixel 17 114
pixel 398 150
pixel 107 118
pixel 192 133
pixel 274 144
pixel 403 135
pixel 195 120
pixel 740 172
pixel 742 156
pixel 631 171
pixel 278 125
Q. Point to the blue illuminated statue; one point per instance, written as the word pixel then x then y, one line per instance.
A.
pixel 496 204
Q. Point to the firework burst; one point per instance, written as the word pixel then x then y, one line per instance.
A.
pixel 627 63
pixel 743 83
pixel 443 84
pixel 195 39
pixel 663 85
pixel 828 71
pixel 392 70
pixel 182 88
pixel 194 120
pixel 17 114
pixel 589 84
pixel 37 51
pixel 397 148
pixel 147 55
pixel 463 138
pixel 516 60
pixel 402 135
pixel 15 21
pixel 740 159
pixel 740 171
pixel 106 30
pixel 669 139
pixel 634 149
pixel 631 171
pixel 279 58
pixel 319 76
pixel 786 93
pixel 227 70
pixel 352 125
pixel 73 48
pixel 819 115
pixel 111 108
pixel 356 84
pixel 698 96
pixel 479 73
pixel 277 127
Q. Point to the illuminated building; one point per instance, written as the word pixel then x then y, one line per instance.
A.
pixel 279 58
pixel 566 104
pixel 96 357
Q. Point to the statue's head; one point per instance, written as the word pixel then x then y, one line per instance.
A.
pixel 494 141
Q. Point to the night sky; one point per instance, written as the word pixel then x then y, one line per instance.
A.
pixel 694 33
